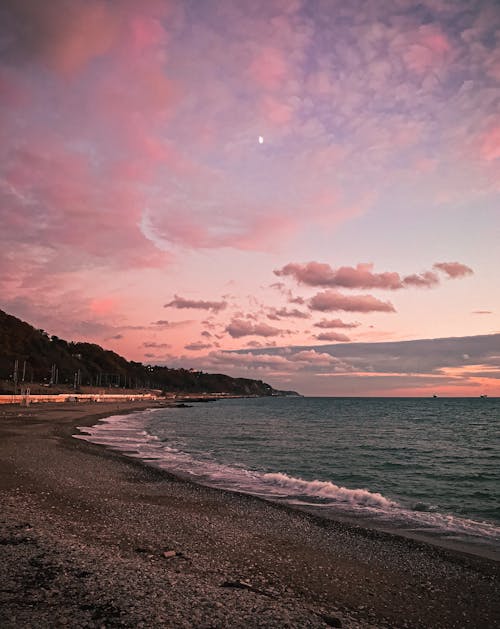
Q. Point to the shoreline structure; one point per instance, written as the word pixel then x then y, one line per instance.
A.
pixel 91 537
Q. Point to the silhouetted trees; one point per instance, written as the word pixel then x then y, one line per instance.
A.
pixel 40 357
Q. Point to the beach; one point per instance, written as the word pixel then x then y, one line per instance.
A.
pixel 91 538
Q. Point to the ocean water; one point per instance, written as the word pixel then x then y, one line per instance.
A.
pixel 425 467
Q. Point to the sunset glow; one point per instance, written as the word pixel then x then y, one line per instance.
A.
pixel 139 212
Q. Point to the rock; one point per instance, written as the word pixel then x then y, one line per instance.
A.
pixel 244 585
pixel 140 549
pixel 331 621
pixel 168 554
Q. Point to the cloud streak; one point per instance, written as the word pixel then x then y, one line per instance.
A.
pixel 238 328
pixel 453 270
pixel 332 336
pixel 362 275
pixel 450 364
pixel 183 303
pixel 197 346
pixel 327 324
pixel 282 313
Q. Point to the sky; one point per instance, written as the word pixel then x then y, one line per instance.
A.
pixel 300 191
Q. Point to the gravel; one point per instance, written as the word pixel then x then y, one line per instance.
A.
pixel 91 538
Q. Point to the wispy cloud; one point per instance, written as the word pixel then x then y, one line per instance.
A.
pixel 448 364
pixel 238 328
pixel 197 346
pixel 335 323
pixel 332 336
pixel 453 269
pixel 130 165
pixel 183 303
pixel 291 313
pixel 419 356
pixel 164 323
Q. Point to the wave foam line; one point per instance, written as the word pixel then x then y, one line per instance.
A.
pixel 326 489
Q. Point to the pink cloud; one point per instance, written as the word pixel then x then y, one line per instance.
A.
pixel 294 313
pixel 335 323
pixel 319 274
pixel 312 357
pixel 285 361
pixel 482 312
pixel 197 346
pixel 276 112
pixel 258 230
pixel 103 306
pixel 181 302
pixel 95 218
pixel 64 36
pixel 454 269
pixel 332 336
pixel 15 92
pixel 361 276
pixel 125 135
pixel 250 361
pixel 162 323
pixel 268 69
pixel 426 49
pixel 253 344
pixel 329 301
pixel 239 327
pixel 81 186
pixel 67 37
pixel 250 228
pixel 428 279
pixel 284 290
pixel 490 144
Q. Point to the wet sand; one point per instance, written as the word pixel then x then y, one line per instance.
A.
pixel 91 538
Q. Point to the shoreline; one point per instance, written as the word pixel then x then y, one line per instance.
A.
pixel 123 513
pixel 421 534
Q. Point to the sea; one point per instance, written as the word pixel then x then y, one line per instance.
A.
pixel 424 468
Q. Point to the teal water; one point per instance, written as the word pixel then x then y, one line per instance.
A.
pixel 420 464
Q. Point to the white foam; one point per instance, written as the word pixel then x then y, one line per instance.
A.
pixel 127 433
pixel 326 489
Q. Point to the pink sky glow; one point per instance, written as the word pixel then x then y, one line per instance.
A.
pixel 139 209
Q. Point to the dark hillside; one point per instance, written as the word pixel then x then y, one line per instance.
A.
pixel 28 355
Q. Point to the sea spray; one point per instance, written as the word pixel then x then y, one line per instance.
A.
pixel 326 489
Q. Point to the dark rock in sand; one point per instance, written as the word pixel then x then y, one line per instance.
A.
pixel 331 621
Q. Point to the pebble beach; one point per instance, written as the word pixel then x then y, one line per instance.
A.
pixel 91 538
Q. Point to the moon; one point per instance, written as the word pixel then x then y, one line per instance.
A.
pixel 261 140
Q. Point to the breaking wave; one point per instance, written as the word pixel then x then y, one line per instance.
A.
pixel 326 489
pixel 128 435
